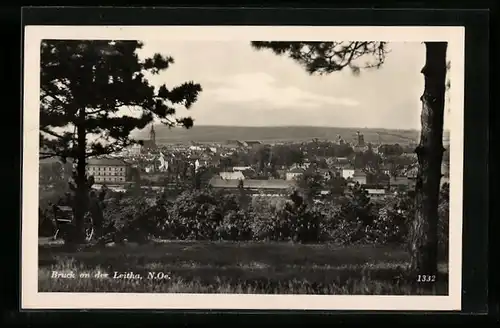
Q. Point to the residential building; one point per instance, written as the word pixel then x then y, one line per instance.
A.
pixel 294 174
pixel 242 168
pixel 348 172
pixel 376 192
pixel 273 187
pixel 252 144
pixel 281 174
pixel 402 182
pixel 196 148
pixel 233 144
pixel 108 170
pixel 232 175
pixel 135 150
pixel 303 166
pixel 359 177
pixel 337 162
pixel 386 169
pixel 326 173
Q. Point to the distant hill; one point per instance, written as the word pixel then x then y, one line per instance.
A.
pixel 205 134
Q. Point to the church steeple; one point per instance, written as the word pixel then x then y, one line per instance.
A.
pixel 152 134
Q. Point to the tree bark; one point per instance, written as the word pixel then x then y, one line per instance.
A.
pixel 424 241
pixel 81 192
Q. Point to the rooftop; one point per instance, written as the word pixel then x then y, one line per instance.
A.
pixel 232 175
pixel 106 161
pixel 253 184
pixel 252 142
pixel 359 173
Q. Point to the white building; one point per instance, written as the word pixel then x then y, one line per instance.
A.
pixel 108 170
pixel 293 174
pixel 347 173
pixel 242 168
pixel 232 175
pixel 135 150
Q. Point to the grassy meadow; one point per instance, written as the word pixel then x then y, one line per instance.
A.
pixel 230 267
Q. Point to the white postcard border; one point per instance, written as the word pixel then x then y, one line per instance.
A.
pixel 32 299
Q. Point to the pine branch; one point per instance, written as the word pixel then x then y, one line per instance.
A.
pixel 52 133
pixel 50 94
pixel 46 155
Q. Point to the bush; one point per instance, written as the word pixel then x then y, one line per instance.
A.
pixel 205 215
pixel 303 222
pixel 130 218
pixel 195 216
pixel 265 224
pixel 236 226
pixel 391 225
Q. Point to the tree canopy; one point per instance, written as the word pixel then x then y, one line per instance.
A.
pixel 329 57
pixel 101 88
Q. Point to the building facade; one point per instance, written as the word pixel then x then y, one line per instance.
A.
pixel 261 188
pixel 359 177
pixel 294 174
pixel 347 172
pixel 108 170
pixel 232 175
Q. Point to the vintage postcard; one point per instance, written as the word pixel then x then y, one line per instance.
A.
pixel 238 167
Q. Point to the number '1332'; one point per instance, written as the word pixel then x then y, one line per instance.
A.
pixel 426 278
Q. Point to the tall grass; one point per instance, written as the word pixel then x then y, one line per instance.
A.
pixel 236 268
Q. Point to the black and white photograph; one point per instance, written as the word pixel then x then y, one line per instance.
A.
pixel 242 167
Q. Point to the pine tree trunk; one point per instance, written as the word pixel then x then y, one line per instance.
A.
pixel 81 192
pixel 424 243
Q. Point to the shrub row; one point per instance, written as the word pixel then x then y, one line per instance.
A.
pixel 204 215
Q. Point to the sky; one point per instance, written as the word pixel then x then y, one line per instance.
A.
pixel 246 87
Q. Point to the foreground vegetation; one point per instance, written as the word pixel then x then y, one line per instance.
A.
pixel 231 267
pixel 233 243
pixel 349 219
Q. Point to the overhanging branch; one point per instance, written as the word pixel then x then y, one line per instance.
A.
pixel 52 133
pixel 50 94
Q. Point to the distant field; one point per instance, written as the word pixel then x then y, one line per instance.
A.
pixel 276 134
pixel 225 267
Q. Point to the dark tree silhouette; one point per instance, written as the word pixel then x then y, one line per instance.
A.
pixel 89 91
pixel 329 57
pixel 310 183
